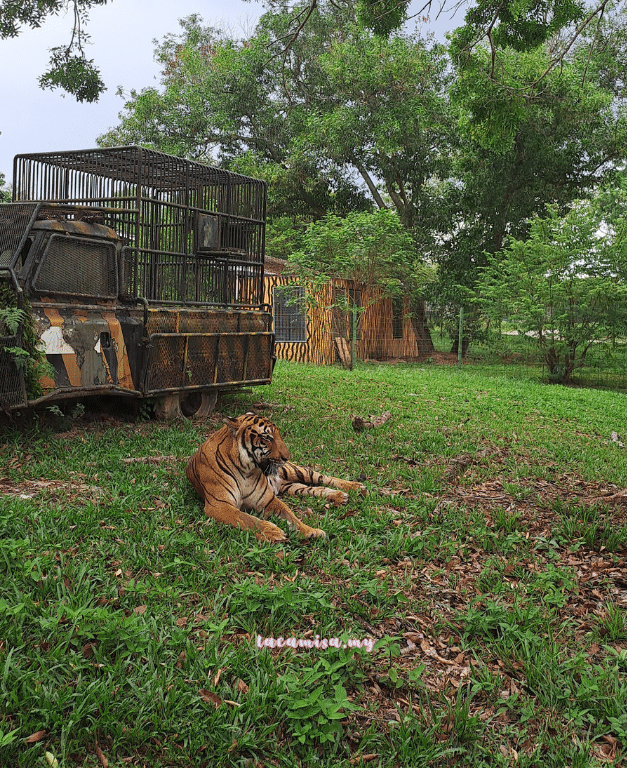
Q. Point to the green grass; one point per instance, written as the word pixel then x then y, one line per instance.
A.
pixel 483 560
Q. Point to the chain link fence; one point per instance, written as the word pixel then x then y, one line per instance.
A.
pixel 509 353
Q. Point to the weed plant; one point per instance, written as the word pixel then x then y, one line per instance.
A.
pixel 487 562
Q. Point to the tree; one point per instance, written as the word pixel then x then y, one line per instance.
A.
pixel 69 67
pixel 500 24
pixel 526 25
pixel 522 24
pixel 232 101
pixel 565 285
pixel 372 249
pixel 5 192
pixel 521 150
pixel 342 121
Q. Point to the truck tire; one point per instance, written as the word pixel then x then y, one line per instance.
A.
pixel 192 405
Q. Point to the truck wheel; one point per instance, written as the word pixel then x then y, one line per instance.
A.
pixel 168 407
pixel 207 404
pixel 194 405
pixel 198 405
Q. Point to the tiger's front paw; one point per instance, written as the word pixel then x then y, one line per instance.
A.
pixel 271 533
pixel 338 498
pixel 312 533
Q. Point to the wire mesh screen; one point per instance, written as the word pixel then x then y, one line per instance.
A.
pixel 12 389
pixel 193 233
pixel 76 266
pixel 15 221
pixel 181 360
pixel 257 365
pixel 290 314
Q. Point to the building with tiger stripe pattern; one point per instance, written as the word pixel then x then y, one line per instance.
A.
pixel 312 331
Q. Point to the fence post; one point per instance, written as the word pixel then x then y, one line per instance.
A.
pixel 460 338
pixel 354 337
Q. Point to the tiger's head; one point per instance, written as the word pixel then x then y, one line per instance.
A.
pixel 259 442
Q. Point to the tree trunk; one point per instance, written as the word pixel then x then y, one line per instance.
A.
pixel 465 344
pixel 421 330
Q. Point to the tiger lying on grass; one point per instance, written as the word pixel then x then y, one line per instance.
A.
pixel 245 466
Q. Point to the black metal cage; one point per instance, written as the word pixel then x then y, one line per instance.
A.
pixel 192 234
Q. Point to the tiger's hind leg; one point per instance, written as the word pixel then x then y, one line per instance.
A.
pixel 300 481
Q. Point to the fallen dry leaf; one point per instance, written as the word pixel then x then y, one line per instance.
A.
pixel 210 697
pixel 101 757
pixel 34 737
pixel 363 759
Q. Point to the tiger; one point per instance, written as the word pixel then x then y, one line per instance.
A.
pixel 245 466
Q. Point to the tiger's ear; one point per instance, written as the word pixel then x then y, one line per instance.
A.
pixel 232 424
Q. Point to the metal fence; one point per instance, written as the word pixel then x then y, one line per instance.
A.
pixel 515 355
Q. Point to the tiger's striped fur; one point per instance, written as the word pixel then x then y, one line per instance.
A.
pixel 245 466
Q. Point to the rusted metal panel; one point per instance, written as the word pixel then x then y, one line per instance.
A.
pixel 187 361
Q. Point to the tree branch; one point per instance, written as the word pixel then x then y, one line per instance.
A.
pixel 369 182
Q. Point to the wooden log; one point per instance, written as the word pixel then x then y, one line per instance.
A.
pixel 360 424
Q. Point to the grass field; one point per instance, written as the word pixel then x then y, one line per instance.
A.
pixel 487 561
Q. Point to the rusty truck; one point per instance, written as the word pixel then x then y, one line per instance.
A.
pixel 126 271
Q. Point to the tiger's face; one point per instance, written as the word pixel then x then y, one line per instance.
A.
pixel 259 442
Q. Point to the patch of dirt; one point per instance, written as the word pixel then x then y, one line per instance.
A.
pixel 73 489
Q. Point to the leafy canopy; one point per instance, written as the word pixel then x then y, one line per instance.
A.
pixel 344 121
pixel 520 149
pixel 372 249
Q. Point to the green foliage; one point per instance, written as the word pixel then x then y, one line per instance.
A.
pixel 363 123
pixel 10 319
pixel 373 249
pixel 69 69
pixel 5 193
pixel 382 16
pixel 74 74
pixel 8 737
pixel 315 700
pixel 28 357
pixel 531 134
pixel 213 84
pixel 520 24
pixel 564 285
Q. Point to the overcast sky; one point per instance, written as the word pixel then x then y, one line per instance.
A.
pixel 122 34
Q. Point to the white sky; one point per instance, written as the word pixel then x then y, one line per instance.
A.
pixel 122 34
